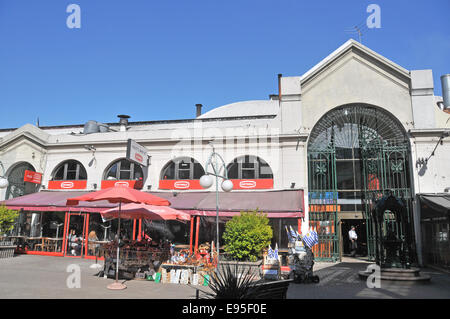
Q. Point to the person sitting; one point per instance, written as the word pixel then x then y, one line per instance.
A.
pixel 92 247
pixel 74 243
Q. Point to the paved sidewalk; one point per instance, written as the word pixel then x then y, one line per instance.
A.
pixel 28 276
pixel 341 281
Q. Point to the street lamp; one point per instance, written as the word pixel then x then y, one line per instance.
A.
pixel 206 181
pixel 3 180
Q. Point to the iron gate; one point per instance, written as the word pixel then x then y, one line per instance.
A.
pixel 380 145
pixel 323 202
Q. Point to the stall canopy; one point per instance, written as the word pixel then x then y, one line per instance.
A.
pixel 438 204
pixel 276 203
pixel 143 211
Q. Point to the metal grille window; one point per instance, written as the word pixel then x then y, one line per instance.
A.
pixel 124 170
pixel 355 154
pixel 249 167
pixel 17 187
pixel 185 168
pixel 69 170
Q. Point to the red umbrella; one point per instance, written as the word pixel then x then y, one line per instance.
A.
pixel 119 194
pixel 143 211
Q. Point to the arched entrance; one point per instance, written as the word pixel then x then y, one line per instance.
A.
pixel 17 186
pixel 356 153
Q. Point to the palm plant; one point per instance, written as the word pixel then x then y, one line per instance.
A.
pixel 227 282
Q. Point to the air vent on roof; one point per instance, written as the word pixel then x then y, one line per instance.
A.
pixel 123 122
pixel 91 127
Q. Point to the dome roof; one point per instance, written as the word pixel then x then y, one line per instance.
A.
pixel 246 108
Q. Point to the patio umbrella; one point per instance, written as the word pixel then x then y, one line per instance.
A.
pixel 119 194
pixel 144 211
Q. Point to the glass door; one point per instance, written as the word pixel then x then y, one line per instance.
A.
pixel 98 233
pixel 76 235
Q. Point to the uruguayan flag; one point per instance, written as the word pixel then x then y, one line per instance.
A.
pixel 311 238
pixel 290 238
pixel 275 252
pixel 270 253
pixel 293 233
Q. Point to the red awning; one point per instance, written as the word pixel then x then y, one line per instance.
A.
pixel 277 204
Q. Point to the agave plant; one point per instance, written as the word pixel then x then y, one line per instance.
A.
pixel 227 282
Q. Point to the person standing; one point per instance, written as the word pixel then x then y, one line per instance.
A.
pixel 353 238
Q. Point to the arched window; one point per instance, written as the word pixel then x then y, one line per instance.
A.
pixel 69 170
pixel 123 169
pixel 17 186
pixel 249 167
pixel 182 168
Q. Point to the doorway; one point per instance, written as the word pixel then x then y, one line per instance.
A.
pixel 361 232
pixel 75 235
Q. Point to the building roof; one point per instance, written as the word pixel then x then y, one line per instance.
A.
pixel 245 108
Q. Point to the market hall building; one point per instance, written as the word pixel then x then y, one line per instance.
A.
pixel 317 154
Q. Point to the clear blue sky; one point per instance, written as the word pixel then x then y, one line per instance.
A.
pixel 155 59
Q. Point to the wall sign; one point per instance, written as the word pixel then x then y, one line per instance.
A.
pixel 179 184
pixel 136 153
pixel 32 177
pixel 75 184
pixel 136 184
pixel 252 183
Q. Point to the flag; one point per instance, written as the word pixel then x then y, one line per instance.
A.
pixel 275 252
pixel 290 238
pixel 311 238
pixel 293 234
pixel 270 253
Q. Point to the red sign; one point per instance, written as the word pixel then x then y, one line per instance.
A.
pixel 180 184
pixel 32 177
pixel 252 183
pixel 136 184
pixel 67 184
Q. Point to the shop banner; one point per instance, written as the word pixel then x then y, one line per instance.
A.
pixel 32 177
pixel 136 184
pixel 75 184
pixel 180 184
pixel 252 183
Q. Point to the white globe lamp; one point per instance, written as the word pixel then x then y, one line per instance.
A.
pixel 3 182
pixel 227 185
pixel 206 181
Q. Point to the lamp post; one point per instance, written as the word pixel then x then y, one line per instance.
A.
pixel 3 180
pixel 206 181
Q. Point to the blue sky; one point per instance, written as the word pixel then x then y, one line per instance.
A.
pixel 154 60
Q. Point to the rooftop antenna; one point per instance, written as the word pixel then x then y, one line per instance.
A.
pixel 359 29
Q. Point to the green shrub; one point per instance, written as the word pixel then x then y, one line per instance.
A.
pixel 7 219
pixel 247 235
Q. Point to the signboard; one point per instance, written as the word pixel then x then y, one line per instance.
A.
pixel 252 183
pixel 179 184
pixel 75 184
pixel 136 153
pixel 32 177
pixel 136 184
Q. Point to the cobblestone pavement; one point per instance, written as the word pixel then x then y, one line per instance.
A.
pixel 33 277
pixel 341 281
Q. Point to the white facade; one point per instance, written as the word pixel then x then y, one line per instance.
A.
pixel 276 131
